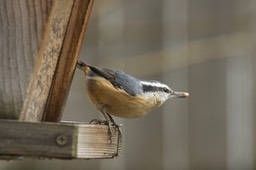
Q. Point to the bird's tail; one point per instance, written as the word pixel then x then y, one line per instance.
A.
pixel 82 66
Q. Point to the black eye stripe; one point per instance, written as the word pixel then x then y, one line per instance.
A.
pixel 149 88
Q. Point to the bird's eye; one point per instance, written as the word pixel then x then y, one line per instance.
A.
pixel 166 90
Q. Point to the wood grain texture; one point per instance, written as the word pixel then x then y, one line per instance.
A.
pixel 21 27
pixel 68 57
pixel 66 140
pixel 46 61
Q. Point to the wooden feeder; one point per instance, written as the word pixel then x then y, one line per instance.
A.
pixel 39 44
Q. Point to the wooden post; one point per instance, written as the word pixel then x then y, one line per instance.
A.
pixel 22 24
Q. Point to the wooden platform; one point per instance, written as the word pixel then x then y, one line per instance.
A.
pixel 65 140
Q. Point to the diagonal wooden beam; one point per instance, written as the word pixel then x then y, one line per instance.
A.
pixel 68 57
pixel 56 60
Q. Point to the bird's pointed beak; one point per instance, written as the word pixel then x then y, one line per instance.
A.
pixel 177 94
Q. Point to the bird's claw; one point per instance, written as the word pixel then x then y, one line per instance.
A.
pixel 112 126
pixel 98 122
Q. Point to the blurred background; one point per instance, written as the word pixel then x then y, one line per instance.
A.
pixel 205 47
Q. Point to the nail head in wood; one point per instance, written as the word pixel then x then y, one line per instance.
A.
pixel 61 140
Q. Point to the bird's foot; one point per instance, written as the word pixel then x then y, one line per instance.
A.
pixel 98 122
pixel 112 126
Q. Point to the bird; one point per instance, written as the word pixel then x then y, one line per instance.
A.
pixel 116 93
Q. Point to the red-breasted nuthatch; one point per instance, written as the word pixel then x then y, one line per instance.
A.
pixel 117 93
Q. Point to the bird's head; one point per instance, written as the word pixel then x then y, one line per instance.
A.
pixel 160 92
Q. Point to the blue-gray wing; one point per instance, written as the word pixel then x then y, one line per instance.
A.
pixel 118 79
pixel 128 83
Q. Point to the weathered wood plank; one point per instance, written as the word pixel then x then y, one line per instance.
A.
pixel 46 61
pixel 64 140
pixel 21 27
pixel 68 57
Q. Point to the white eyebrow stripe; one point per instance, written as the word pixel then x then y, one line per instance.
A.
pixel 157 84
